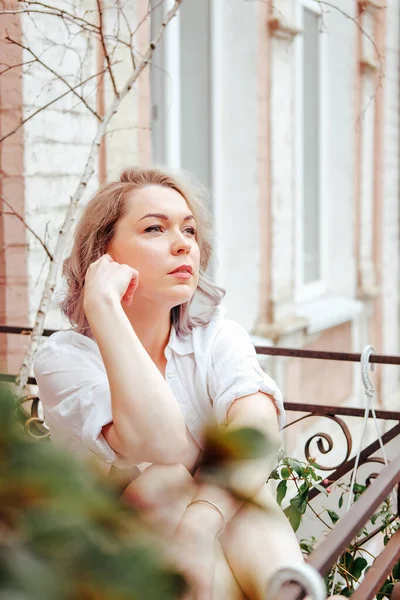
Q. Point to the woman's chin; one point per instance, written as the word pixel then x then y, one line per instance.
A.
pixel 182 298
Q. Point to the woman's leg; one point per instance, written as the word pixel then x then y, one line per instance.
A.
pixel 162 493
pixel 257 542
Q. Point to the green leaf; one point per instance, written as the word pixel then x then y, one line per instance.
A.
pixel 307 545
pixel 299 504
pixel 333 515
pixel 374 518
pixel 321 489
pixel 281 491
pixel 396 570
pixel 358 567
pixel 359 489
pixel 386 590
pixel 296 466
pixel 285 473
pixel 294 517
pixel 347 560
pixel 274 474
pixel 341 500
pixel 346 592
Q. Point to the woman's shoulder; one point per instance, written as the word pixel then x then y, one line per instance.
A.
pixel 66 342
pixel 220 330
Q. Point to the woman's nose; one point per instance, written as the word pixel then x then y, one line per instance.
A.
pixel 181 244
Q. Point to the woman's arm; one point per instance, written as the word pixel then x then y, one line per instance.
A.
pixel 248 476
pixel 148 425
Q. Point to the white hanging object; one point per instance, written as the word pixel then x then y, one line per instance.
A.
pixel 369 395
pixel 304 574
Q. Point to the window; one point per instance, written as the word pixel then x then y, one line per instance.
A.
pixel 181 89
pixel 309 181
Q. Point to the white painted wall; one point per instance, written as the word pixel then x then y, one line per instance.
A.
pixel 391 222
pixel 340 129
pixel 122 132
pixel 235 166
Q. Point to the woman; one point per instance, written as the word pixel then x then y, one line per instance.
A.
pixel 139 376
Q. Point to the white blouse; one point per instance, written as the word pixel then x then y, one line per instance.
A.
pixel 206 370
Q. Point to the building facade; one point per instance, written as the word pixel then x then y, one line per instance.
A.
pixel 288 114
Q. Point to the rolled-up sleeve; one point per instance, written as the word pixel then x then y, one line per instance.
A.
pixel 235 372
pixel 75 394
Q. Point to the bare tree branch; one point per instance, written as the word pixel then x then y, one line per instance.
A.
pixel 132 55
pixel 60 77
pixel 49 9
pixel 150 9
pixel 356 23
pixel 105 52
pixel 20 217
pixel 50 283
pixel 9 67
pixel 372 42
pixel 84 25
pixel 52 13
pixel 23 121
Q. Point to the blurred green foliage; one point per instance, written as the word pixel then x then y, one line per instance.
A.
pixel 64 535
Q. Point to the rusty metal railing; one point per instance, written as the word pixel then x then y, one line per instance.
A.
pixel 379 485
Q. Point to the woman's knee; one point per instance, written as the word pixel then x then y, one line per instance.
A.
pixel 160 484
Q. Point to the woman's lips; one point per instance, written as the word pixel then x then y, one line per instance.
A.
pixel 181 274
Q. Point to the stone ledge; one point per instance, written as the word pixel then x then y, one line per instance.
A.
pixel 276 331
pixel 280 29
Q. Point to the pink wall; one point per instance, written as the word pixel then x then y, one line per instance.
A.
pixel 13 246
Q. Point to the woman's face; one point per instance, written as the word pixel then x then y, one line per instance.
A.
pixel 156 236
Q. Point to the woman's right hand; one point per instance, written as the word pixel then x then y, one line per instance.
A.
pixel 107 280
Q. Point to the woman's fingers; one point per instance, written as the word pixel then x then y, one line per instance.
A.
pixel 107 278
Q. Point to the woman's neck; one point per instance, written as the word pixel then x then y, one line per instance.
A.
pixel 152 325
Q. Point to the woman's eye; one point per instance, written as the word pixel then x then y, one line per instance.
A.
pixel 158 228
pixel 191 230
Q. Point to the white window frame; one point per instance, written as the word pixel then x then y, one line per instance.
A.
pixel 170 94
pixel 310 291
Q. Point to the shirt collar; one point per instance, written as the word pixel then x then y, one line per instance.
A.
pixel 181 345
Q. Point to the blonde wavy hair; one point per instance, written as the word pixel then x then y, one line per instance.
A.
pixel 96 228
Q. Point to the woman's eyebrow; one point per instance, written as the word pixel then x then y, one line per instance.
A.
pixel 164 217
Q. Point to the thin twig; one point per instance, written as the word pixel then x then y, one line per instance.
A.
pixel 370 39
pixel 146 16
pixel 39 60
pixel 105 52
pixel 353 20
pixel 10 133
pixel 21 218
pixel 9 67
pixel 60 12
pixel 64 17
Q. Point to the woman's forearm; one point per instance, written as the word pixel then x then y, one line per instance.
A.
pixel 244 478
pixel 245 482
pixel 146 415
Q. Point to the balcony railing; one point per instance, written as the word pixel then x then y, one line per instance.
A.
pixel 379 485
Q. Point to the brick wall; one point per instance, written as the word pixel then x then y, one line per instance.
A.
pixel 13 243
